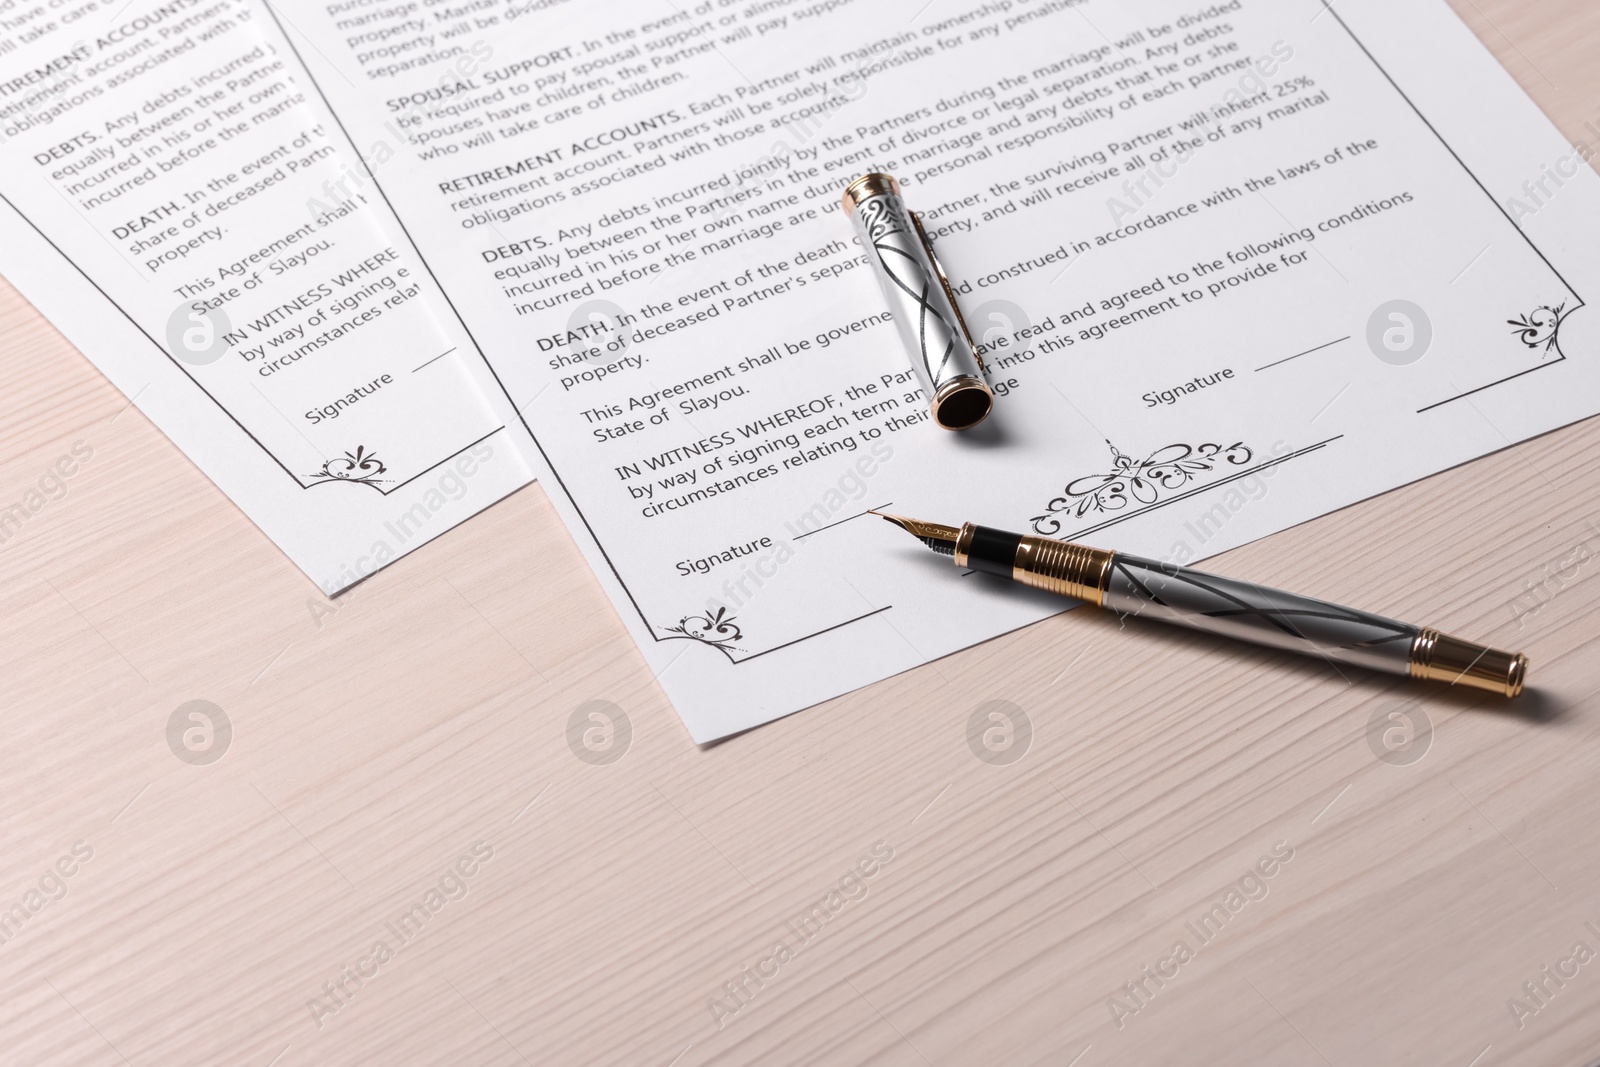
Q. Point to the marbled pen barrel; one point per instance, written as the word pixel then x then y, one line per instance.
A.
pixel 919 297
pixel 1247 612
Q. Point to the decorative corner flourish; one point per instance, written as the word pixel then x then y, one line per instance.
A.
pixel 359 467
pixel 1146 481
pixel 1541 328
pixel 715 628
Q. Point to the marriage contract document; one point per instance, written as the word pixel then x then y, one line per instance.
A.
pixel 1233 265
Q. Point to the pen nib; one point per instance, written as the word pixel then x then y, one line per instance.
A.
pixel 942 539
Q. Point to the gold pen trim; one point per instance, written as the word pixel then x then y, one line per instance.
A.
pixel 1438 657
pixel 866 187
pixel 963 551
pixel 1061 567
pixel 962 403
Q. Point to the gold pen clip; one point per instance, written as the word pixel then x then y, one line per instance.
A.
pixel 950 294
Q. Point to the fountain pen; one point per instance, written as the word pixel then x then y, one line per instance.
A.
pixel 1132 586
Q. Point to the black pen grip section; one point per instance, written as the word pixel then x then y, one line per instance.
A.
pixel 993 551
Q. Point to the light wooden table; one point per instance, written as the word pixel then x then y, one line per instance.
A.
pixel 380 739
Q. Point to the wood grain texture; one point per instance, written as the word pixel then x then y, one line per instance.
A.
pixel 380 737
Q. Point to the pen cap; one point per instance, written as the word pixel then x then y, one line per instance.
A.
pixel 941 350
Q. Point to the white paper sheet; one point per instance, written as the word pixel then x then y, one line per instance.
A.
pixel 171 199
